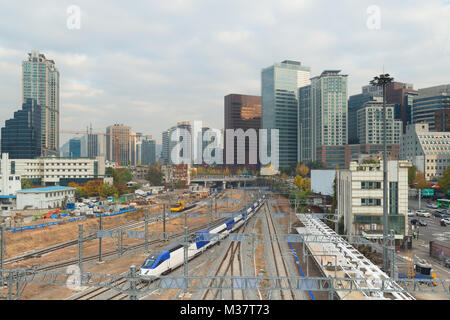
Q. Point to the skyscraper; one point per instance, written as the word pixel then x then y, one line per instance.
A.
pixel 402 95
pixel 429 101
pixel 121 144
pixel 370 124
pixel 243 112
pixel 21 136
pixel 148 151
pixel 356 102
pixel 41 82
pixel 75 148
pixel 323 113
pixel 279 93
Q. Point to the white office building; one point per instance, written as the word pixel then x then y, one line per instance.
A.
pixel 428 151
pixel 56 171
pixel 360 198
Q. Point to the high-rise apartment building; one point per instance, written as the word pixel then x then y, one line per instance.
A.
pixel 243 112
pixel 323 113
pixel 428 101
pixel 21 135
pixel 356 102
pixel 279 96
pixel 121 144
pixel 41 82
pixel 370 124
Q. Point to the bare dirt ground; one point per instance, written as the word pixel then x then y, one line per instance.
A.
pixel 26 241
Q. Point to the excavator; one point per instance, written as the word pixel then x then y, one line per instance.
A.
pixel 180 206
pixel 47 216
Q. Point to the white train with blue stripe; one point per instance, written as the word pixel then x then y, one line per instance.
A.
pixel 172 256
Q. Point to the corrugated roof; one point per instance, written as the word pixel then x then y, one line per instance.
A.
pixel 47 189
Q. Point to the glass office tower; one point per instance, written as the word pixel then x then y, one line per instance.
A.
pixel 279 93
pixel 41 82
pixel 323 113
pixel 21 136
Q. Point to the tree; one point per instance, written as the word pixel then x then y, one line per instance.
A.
pixel 302 170
pixel 125 175
pixel 26 183
pixel 444 182
pixel 108 190
pixel 93 187
pixel 420 181
pixel 411 174
pixel 154 175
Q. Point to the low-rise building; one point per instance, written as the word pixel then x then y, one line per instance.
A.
pixel 10 181
pixel 427 150
pixel 53 171
pixel 176 173
pixel 360 198
pixel 45 198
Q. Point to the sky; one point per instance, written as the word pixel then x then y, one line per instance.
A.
pixel 149 64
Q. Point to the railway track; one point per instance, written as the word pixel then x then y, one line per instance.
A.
pixel 231 264
pixel 280 265
pixel 39 253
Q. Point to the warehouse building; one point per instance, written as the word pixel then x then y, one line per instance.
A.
pixel 45 198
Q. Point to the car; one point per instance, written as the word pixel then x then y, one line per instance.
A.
pixel 445 220
pixel 438 214
pixel 410 213
pixel 447 263
pixel 423 213
pixel 422 223
pixel 414 221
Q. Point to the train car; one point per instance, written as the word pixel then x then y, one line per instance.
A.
pixel 172 256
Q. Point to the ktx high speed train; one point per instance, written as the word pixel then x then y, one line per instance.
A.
pixel 172 256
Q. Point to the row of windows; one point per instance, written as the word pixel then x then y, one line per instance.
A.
pixel 370 185
pixel 370 202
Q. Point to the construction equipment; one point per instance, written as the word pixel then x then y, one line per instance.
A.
pixel 179 207
pixel 418 268
pixel 56 212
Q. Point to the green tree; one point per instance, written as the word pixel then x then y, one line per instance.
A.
pixel 420 181
pixel 26 183
pixel 154 176
pixel 444 181
pixel 411 174
pixel 107 190
pixel 125 175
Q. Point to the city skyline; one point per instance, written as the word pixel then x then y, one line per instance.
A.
pixel 157 80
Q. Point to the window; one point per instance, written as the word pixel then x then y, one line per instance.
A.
pixel 370 185
pixel 370 202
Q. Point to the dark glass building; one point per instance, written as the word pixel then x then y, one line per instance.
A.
pixel 75 148
pixel 243 112
pixel 148 152
pixel 21 135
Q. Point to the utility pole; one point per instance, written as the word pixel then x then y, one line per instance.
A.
pixel 100 228
pixel 2 254
pixel 186 246
pixel 420 198
pixel 80 249
pixel 146 231
pixel 382 81
pixel 164 222
pixel 133 277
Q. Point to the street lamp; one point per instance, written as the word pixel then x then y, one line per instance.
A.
pixel 382 81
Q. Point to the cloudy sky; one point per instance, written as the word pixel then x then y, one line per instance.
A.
pixel 149 64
